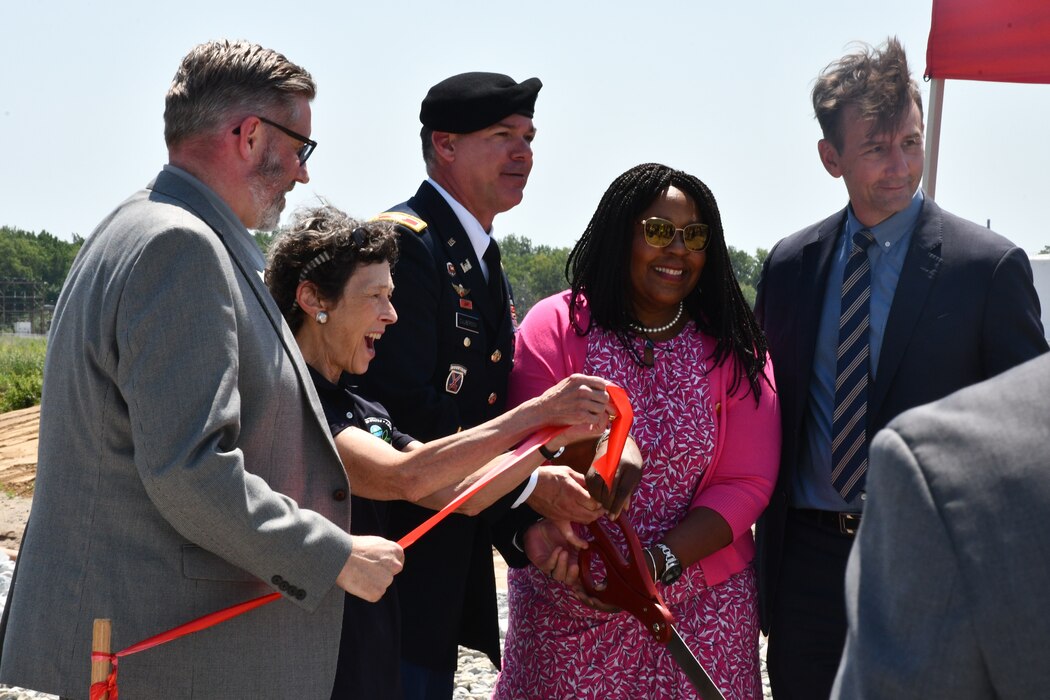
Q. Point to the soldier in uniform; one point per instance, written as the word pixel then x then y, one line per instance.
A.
pixel 444 365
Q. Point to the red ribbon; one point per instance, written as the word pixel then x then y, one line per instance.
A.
pixel 110 684
pixel 606 466
pixel 621 424
pixel 540 437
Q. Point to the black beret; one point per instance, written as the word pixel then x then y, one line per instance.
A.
pixel 471 101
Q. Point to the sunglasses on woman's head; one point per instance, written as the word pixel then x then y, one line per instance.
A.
pixel 659 233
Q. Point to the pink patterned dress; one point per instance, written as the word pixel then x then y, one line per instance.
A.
pixel 559 649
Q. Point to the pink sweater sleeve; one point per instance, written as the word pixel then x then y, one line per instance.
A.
pixel 546 350
pixel 747 453
pixel 747 457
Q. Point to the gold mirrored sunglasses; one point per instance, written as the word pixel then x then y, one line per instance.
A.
pixel 659 233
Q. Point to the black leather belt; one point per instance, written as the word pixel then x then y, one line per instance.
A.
pixel 843 523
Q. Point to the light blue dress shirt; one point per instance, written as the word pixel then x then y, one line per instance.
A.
pixel 812 487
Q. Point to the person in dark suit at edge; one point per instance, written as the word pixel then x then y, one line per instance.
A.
pixel 888 304
pixel 444 366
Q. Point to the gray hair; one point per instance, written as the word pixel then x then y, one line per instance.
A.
pixel 221 78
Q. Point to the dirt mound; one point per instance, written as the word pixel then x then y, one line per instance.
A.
pixel 18 443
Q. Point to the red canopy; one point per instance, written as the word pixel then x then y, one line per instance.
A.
pixel 999 40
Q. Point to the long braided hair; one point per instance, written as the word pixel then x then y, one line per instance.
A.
pixel 598 268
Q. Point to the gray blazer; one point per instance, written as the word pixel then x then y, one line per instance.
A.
pixel 184 466
pixel 947 585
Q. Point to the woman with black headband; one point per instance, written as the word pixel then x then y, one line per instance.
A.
pixel 330 276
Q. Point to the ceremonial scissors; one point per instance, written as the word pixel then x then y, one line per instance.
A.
pixel 629 587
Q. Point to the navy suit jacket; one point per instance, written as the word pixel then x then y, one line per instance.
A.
pixel 965 309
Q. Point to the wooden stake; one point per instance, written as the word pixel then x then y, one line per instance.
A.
pixel 100 642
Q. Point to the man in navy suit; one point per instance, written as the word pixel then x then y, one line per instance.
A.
pixel 885 305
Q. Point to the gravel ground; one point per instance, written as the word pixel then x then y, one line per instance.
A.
pixel 7 567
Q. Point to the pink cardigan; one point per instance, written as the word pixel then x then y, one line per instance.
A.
pixel 747 447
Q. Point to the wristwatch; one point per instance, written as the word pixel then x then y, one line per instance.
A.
pixel 672 567
pixel 551 456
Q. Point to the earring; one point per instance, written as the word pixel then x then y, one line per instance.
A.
pixel 322 317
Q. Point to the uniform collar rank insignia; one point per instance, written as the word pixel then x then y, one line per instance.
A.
pixel 451 242
pixel 413 223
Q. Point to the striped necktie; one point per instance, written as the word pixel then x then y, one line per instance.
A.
pixel 849 445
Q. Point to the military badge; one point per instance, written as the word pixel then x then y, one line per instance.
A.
pixel 466 266
pixel 454 380
pixel 451 269
pixel 468 322
pixel 466 304
pixel 460 289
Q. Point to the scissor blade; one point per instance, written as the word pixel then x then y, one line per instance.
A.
pixel 688 663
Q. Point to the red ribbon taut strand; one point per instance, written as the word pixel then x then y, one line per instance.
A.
pixel 621 424
pixel 110 684
pixel 540 437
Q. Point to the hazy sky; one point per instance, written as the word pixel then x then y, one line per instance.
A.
pixel 718 89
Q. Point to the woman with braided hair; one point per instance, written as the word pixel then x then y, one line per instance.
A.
pixel 654 306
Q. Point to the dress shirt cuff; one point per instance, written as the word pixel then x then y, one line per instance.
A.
pixel 529 488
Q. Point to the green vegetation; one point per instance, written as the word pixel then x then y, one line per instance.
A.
pixel 21 372
pixel 748 269
pixel 263 239
pixel 535 272
pixel 39 257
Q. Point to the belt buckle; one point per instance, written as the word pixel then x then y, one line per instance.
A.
pixel 848 523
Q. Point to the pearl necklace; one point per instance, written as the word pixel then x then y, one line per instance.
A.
pixel 660 329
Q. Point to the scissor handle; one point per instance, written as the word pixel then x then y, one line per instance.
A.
pixel 627 582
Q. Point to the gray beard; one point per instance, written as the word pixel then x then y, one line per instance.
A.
pixel 270 217
pixel 266 175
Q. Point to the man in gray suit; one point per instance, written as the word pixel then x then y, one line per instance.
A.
pixel 946 585
pixel 185 464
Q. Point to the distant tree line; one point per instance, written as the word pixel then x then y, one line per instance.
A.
pixel 535 270
pixel 37 257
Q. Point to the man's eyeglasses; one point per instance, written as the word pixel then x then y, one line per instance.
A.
pixel 659 233
pixel 304 151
